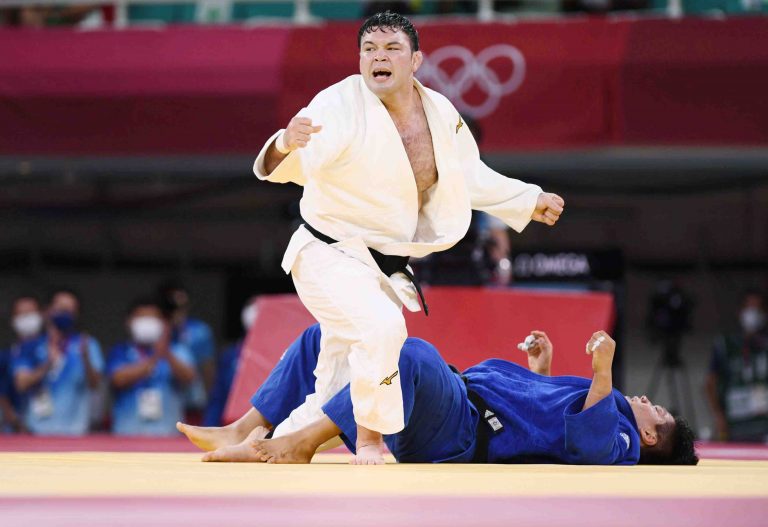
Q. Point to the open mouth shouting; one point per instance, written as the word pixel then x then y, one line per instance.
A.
pixel 381 74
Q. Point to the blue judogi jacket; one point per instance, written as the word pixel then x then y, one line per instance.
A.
pixel 544 422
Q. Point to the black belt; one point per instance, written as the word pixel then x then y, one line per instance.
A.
pixel 389 264
pixel 484 427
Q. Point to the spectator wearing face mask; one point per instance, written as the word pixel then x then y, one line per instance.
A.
pixel 226 368
pixel 197 336
pixel 27 324
pixel 148 374
pixel 737 385
pixel 55 376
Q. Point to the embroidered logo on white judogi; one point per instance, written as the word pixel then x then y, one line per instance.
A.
pixel 388 380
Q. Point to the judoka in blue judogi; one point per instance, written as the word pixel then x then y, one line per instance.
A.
pixel 495 412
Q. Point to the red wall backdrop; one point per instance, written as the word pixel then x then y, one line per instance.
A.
pixel 213 90
pixel 185 90
pixel 697 82
pixel 467 325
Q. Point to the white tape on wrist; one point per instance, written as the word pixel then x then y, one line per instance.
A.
pixel 280 144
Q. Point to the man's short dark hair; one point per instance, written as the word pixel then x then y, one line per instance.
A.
pixel 675 446
pixel 390 21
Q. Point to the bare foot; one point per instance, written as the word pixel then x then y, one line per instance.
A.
pixel 291 448
pixel 368 455
pixel 210 437
pixel 241 452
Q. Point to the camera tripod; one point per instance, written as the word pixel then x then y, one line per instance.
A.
pixel 671 365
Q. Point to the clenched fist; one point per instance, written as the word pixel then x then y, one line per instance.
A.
pixel 601 346
pixel 540 353
pixel 548 209
pixel 298 133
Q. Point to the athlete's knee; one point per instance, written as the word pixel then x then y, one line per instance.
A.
pixel 409 353
pixel 418 352
pixel 306 347
pixel 389 330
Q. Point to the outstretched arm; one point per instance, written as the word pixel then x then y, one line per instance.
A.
pixel 595 432
pixel 601 346
pixel 315 137
pixel 514 202
pixel 297 134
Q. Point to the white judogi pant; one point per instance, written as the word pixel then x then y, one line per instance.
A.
pixel 363 330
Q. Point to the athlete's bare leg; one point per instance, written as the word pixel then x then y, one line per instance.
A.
pixel 241 452
pixel 212 437
pixel 296 447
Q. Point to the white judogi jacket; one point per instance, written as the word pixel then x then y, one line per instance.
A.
pixel 359 187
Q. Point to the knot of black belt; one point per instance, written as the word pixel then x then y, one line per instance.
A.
pixel 388 263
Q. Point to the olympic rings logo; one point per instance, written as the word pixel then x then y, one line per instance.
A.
pixel 474 70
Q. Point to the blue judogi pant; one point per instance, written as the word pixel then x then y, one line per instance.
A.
pixel 440 421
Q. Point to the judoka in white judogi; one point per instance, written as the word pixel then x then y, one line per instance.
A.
pixel 360 189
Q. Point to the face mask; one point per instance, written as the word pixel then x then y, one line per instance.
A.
pixel 64 321
pixel 146 330
pixel 28 325
pixel 752 319
pixel 249 316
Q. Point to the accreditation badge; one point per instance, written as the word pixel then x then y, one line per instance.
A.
pixel 42 404
pixel 150 402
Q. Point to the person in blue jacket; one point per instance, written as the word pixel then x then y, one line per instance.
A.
pixel 56 376
pixel 495 412
pixel 27 322
pixel 197 337
pixel 148 374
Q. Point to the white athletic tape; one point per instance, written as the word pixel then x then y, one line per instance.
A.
pixel 526 345
pixel 599 341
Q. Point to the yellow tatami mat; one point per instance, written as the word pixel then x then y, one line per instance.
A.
pixel 109 474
